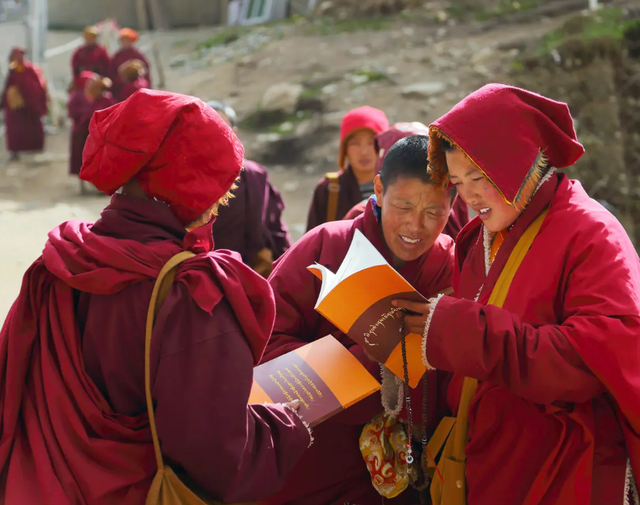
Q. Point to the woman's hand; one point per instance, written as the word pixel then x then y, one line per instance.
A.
pixel 415 320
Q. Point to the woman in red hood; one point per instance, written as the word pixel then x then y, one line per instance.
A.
pixel 384 141
pixel 545 322
pixel 338 192
pixel 72 350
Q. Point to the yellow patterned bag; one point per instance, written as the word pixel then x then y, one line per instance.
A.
pixel 383 445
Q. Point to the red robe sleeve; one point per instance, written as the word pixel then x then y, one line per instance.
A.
pixel 236 452
pixel 542 362
pixel 492 344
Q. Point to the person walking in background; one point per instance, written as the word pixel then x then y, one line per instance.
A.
pixel 127 52
pixel 384 141
pixel 252 223
pixel 91 56
pixel 338 192
pixel 24 101
pixel 132 77
pixel 81 106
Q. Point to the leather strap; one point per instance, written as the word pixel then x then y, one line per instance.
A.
pixel 334 193
pixel 158 296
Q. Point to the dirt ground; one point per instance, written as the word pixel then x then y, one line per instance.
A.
pixel 36 193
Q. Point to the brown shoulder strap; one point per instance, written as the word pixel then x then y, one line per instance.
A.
pixel 160 291
pixel 334 192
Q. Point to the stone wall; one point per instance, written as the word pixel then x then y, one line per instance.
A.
pixel 599 82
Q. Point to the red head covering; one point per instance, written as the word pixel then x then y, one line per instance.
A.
pixel 178 149
pixel 128 33
pixel 15 51
pixel 385 140
pixel 362 117
pixel 511 135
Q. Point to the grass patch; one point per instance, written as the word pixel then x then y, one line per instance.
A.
pixel 181 43
pixel 328 26
pixel 606 23
pixel 365 76
pixel 288 125
pixel 222 38
pixel 466 10
pixel 311 93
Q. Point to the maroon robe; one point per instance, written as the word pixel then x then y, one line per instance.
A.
pixel 253 219
pixel 93 58
pixel 458 218
pixel 80 110
pixel 122 56
pixel 128 89
pixel 24 129
pixel 333 470
pixel 348 196
pixel 558 364
pixel 74 424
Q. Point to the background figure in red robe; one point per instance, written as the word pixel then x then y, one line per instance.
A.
pixel 74 416
pixel 459 216
pixel 406 207
pixel 96 97
pixel 91 56
pixel 252 223
pixel 556 413
pixel 127 52
pixel 357 164
pixel 79 111
pixel 24 101
pixel 132 77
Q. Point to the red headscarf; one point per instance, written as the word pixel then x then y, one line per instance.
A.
pixel 175 146
pixel 511 135
pixel 361 118
pixel 385 140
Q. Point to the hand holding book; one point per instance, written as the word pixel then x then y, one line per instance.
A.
pixel 417 312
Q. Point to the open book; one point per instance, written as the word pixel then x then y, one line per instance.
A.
pixel 357 300
pixel 323 375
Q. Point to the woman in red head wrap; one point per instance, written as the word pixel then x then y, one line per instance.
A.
pixel 24 100
pixel 338 192
pixel 545 322
pixel 72 350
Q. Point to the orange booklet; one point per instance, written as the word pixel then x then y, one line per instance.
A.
pixel 357 299
pixel 323 375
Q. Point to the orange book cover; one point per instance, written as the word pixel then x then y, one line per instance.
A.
pixel 357 299
pixel 323 375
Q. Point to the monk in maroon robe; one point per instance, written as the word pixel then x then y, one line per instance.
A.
pixel 127 52
pixel 132 77
pixel 24 101
pixel 91 56
pixel 404 222
pixel 96 97
pixel 459 216
pixel 252 223
pixel 353 183
pixel 74 416
pixel 555 418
